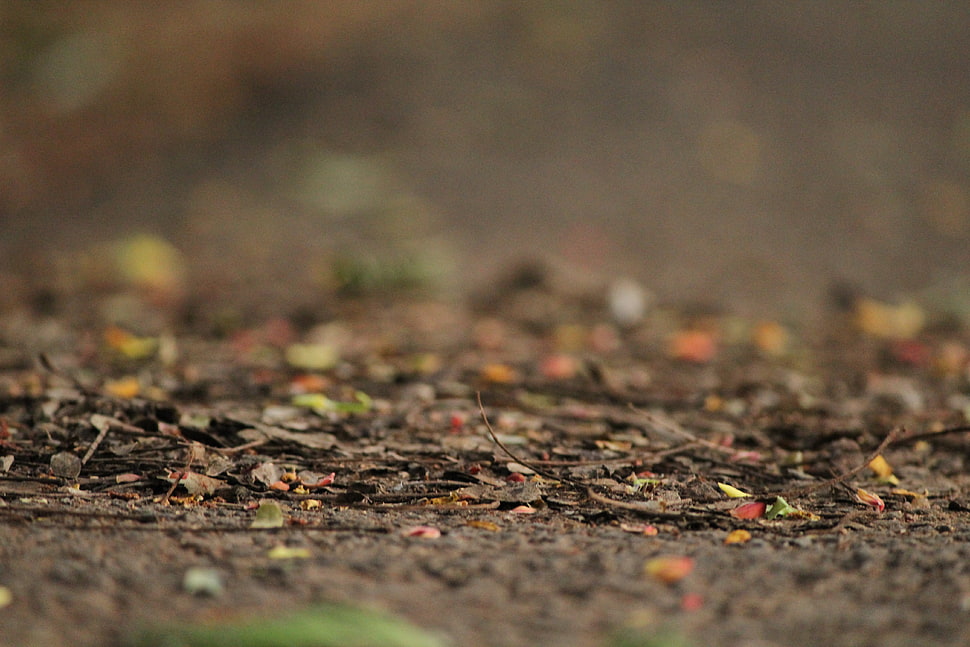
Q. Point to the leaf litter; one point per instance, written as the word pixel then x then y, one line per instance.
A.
pixel 596 445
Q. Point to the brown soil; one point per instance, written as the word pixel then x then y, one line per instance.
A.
pixel 188 197
pixel 556 557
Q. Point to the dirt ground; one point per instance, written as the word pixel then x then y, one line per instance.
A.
pixel 704 266
pixel 401 500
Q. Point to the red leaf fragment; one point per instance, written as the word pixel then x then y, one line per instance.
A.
pixel 870 499
pixel 423 532
pixel 692 602
pixel 753 510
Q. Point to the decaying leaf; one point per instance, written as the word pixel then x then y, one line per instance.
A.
pixel 197 484
pixel 870 499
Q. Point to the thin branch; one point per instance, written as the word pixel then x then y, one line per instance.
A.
pixel 532 466
pixel 841 478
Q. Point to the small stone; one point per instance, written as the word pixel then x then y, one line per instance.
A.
pixel 65 465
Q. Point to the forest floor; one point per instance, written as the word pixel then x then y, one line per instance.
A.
pixel 214 477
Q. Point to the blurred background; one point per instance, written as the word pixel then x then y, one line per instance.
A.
pixel 747 155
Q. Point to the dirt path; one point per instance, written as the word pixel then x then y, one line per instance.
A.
pixel 400 500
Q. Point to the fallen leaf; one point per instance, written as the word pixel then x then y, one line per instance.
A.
pixel 697 346
pixel 312 357
pixel 739 536
pixel 881 468
pixel 753 510
pixel 203 581
pixel 499 374
pixel 669 569
pixel 128 345
pixel 779 508
pixel 322 405
pixel 424 532
pixel 692 602
pixel 770 337
pixel 732 491
pixel 483 525
pixel 198 484
pixel 870 499
pixel 559 367
pixel 288 552
pixel 125 388
pixel 268 515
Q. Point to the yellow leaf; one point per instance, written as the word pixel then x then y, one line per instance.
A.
pixel 288 552
pixel 732 491
pixel 125 388
pixel 739 536
pixel 483 525
pixel 880 466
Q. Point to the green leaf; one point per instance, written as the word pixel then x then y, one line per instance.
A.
pixel 325 626
pixel 779 508
pixel 268 515
pixel 321 404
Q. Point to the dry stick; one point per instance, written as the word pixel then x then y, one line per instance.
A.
pixel 928 435
pixel 683 434
pixel 97 441
pixel 840 479
pixel 535 468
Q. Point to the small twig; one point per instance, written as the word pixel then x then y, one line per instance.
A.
pixel 50 367
pixel 676 430
pixel 929 435
pixel 97 442
pixel 644 509
pixel 175 481
pixel 532 466
pixel 841 478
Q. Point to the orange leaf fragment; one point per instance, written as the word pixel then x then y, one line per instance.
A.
pixel 669 569
pixel 499 374
pixel 770 337
pixel 870 499
pixel 125 388
pixel 559 367
pixel 698 346
pixel 523 509
pixel 753 510
pixel 739 536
